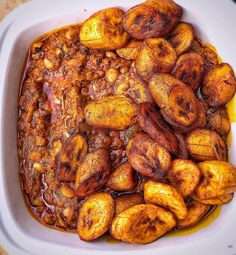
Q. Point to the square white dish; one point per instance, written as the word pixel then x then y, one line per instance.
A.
pixel 213 22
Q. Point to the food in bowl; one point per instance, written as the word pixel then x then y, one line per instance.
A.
pixel 122 125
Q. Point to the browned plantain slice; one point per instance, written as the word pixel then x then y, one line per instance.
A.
pixel 72 152
pixel 219 121
pixel 214 201
pixel 219 85
pixel 174 98
pixel 210 57
pixel 189 69
pixel 130 51
pixel 122 178
pixel 206 144
pixel 126 201
pixel 151 122
pixel 166 196
pixel 143 22
pixel 182 151
pixel 132 85
pixel 148 157
pixel 171 13
pixel 181 37
pixel 142 224
pixel 218 179
pixel 103 30
pixel 196 211
pixel 95 216
pixel 113 112
pixel 184 175
pixel 93 173
pixel 156 55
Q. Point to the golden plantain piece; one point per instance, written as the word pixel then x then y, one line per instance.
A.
pixel 130 51
pixel 113 112
pixel 142 224
pixel 156 55
pixel 218 179
pixel 189 69
pixel 126 201
pixel 95 216
pixel 181 37
pixel 184 175
pixel 206 144
pixel 210 57
pixel 176 100
pixel 166 196
pixel 72 152
pixel 93 173
pixel 122 178
pixel 214 201
pixel 152 123
pixel 219 121
pixel 103 30
pixel 182 148
pixel 170 12
pixel 196 212
pixel 219 85
pixel 148 157
pixel 132 85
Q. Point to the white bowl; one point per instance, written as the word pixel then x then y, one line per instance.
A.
pixel 20 233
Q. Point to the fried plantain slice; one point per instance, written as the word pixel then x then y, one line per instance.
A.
pixel 218 179
pixel 142 224
pixel 93 173
pixel 214 201
pixel 206 144
pixel 196 212
pixel 132 85
pixel 126 201
pixel 151 122
pixel 131 50
pixel 148 157
pixel 219 121
pixel 72 152
pixel 174 98
pixel 95 216
pixel 184 175
pixel 156 55
pixel 189 69
pixel 219 85
pixel 122 178
pixel 181 37
pixel 166 196
pixel 182 147
pixel 103 30
pixel 113 112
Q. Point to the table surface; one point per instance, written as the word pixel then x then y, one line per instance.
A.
pixel 5 7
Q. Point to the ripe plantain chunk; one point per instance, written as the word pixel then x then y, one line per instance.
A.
pixel 148 157
pixel 73 151
pixel 196 211
pixel 184 175
pixel 189 69
pixel 166 196
pixel 214 201
pixel 130 51
pixel 103 30
pixel 151 122
pixel 142 224
pixel 156 55
pixel 92 173
pixel 122 178
pixel 174 98
pixel 113 112
pixel 126 201
pixel 206 144
pixel 218 179
pixel 95 216
pixel 181 37
pixel 219 85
